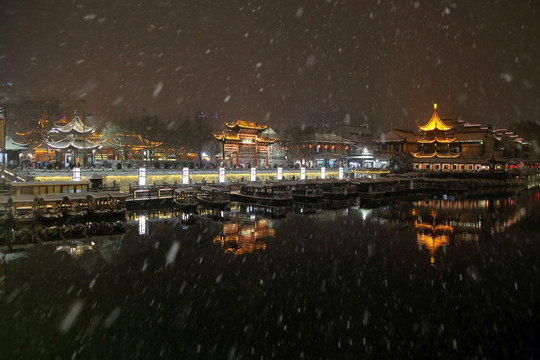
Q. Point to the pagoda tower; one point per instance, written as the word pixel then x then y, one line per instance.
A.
pixel 74 139
pixel 435 140
pixel 243 145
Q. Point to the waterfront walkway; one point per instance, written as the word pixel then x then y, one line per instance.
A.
pixel 125 179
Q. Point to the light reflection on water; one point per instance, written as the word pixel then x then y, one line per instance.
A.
pixel 437 222
pixel 346 283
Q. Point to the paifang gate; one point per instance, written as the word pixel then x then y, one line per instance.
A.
pixel 243 146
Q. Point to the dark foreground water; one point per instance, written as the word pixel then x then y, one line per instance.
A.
pixel 434 279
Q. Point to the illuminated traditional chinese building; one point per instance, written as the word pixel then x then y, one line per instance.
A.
pixel 454 146
pixel 73 139
pixel 435 140
pixel 243 144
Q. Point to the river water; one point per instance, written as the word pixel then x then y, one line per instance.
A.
pixel 426 279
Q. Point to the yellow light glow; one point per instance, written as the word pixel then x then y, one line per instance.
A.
pixel 435 123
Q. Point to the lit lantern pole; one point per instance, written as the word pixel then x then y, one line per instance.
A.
pixel 280 173
pixel 76 174
pixel 253 174
pixel 302 173
pixel 221 175
pixel 323 173
pixel 142 176
pixel 185 176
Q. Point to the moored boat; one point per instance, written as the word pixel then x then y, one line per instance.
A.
pixel 75 206
pixel 48 207
pixel 273 194
pixel 213 197
pixel 185 199
pixel 22 208
pixel 106 204
pixel 308 191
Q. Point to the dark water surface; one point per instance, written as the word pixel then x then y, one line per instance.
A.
pixel 431 279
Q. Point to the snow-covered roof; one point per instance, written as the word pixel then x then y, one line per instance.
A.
pixel 72 144
pixel 15 146
pixel 76 125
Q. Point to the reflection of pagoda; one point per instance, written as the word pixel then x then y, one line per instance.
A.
pixel 242 144
pixel 435 142
pixel 431 234
pixel 244 238
pixel 73 138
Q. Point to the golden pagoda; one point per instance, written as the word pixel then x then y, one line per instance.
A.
pixel 435 141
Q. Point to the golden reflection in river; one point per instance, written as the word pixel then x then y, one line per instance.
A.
pixel 244 234
pixel 431 234
pixel 438 222
pixel 75 248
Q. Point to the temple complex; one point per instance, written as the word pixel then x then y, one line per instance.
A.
pixel 454 146
pixel 243 145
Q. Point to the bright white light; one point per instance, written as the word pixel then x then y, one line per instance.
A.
pixel 142 225
pixel 253 174
pixel 280 173
pixel 365 213
pixel 142 176
pixel 76 174
pixel 185 175
pixel 221 175
pixel 323 173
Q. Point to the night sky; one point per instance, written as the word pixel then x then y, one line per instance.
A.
pixel 279 61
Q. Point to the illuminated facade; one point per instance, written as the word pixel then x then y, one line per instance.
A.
pixel 435 140
pixel 319 149
pixel 455 146
pixel 243 145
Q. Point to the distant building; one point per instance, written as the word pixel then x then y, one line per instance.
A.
pixel 278 150
pixel 452 146
pixel 315 149
pixel 13 150
pixel 243 145
pixel 455 146
pixel 395 141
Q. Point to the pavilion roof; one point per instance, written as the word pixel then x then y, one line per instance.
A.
pixel 72 144
pixel 227 136
pixel 241 124
pixel 15 146
pixel 76 125
pixel 435 123
pixel 397 135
